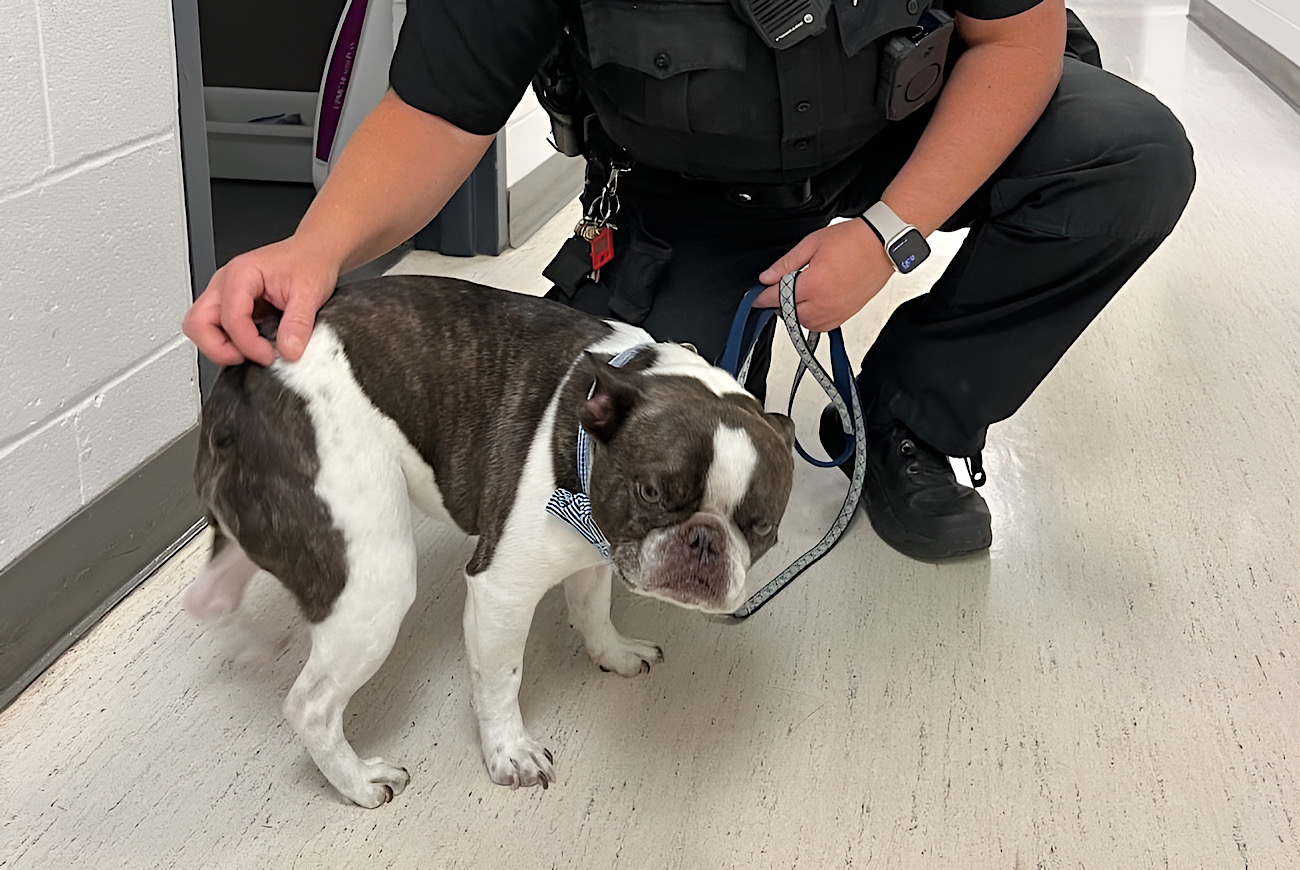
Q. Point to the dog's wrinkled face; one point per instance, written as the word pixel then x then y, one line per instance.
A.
pixel 688 486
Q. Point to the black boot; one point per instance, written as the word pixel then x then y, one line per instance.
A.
pixel 911 496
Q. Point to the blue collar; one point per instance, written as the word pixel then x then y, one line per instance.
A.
pixel 574 508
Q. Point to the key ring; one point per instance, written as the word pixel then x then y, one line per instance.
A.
pixel 607 204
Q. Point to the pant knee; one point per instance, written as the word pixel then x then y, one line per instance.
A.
pixel 1161 172
pixel 1105 159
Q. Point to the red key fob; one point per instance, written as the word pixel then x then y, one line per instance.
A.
pixel 602 247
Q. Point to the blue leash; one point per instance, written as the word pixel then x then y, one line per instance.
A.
pixel 745 329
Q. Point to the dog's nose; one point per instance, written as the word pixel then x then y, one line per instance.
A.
pixel 703 541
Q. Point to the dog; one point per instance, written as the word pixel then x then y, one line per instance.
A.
pixel 467 402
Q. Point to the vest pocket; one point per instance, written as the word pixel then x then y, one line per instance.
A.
pixel 664 38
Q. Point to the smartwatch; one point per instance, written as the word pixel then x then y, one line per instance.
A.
pixel 904 244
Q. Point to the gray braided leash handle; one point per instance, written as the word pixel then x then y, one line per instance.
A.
pixel 850 419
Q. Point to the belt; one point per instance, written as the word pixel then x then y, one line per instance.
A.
pixel 790 195
pixel 787 195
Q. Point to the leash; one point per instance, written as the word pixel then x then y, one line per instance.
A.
pixel 747 325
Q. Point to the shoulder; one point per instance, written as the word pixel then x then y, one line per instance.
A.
pixel 469 61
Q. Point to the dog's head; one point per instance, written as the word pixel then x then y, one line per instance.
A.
pixel 690 477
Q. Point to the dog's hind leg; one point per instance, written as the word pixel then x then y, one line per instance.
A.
pixel 219 587
pixel 588 595
pixel 354 639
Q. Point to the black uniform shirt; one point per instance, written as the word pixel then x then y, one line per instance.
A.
pixel 686 87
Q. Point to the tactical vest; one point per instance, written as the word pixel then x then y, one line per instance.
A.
pixel 688 86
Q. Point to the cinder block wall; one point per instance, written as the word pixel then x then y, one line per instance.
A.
pixel 95 377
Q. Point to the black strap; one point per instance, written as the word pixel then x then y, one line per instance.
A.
pixel 875 232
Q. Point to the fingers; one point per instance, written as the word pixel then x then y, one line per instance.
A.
pixel 220 322
pixel 839 272
pixel 202 325
pixel 769 298
pixel 807 301
pixel 296 325
pixel 823 299
pixel 287 276
pixel 798 257
pixel 820 301
pixel 237 322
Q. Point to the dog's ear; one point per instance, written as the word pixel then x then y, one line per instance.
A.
pixel 612 398
pixel 784 427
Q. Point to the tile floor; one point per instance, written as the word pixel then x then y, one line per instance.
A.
pixel 1115 685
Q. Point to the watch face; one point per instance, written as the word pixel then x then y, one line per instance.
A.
pixel 909 251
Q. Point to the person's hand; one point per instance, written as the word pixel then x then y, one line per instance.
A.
pixel 289 275
pixel 847 266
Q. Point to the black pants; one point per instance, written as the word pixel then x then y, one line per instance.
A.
pixel 1095 186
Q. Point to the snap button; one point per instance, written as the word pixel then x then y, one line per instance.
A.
pixel 800 144
pixel 912 6
pixel 802 106
pixel 662 60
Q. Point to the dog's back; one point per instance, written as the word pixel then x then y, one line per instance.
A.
pixel 424 368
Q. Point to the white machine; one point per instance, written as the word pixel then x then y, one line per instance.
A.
pixel 297 136
pixel 355 77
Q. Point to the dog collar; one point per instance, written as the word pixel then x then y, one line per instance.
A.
pixel 574 508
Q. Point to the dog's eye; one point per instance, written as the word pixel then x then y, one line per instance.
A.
pixel 648 492
pixel 761 529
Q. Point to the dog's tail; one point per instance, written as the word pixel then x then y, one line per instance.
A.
pixel 219 587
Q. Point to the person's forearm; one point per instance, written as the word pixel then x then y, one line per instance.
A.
pixel 996 91
pixel 397 171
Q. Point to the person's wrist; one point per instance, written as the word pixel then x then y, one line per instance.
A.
pixel 874 232
pixel 902 243
pixel 326 254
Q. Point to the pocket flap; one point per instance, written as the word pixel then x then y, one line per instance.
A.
pixel 663 38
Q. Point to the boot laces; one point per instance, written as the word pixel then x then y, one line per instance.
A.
pixel 926 464
pixel 930 466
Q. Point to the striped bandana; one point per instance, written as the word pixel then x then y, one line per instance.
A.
pixel 574 508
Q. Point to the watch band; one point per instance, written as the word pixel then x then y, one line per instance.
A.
pixel 888 226
pixel 903 243
pixel 875 232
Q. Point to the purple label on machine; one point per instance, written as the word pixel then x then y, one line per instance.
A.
pixel 335 88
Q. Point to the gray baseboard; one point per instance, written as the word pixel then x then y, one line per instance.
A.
pixel 57 592
pixel 536 197
pixel 474 220
pixel 1265 61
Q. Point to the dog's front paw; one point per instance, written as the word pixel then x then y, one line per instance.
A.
pixel 377 783
pixel 521 761
pixel 628 656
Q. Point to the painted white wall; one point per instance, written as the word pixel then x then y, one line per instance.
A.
pixel 95 377
pixel 1276 22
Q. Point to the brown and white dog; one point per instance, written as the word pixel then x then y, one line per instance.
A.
pixel 466 401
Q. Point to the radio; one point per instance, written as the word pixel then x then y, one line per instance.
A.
pixel 782 23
